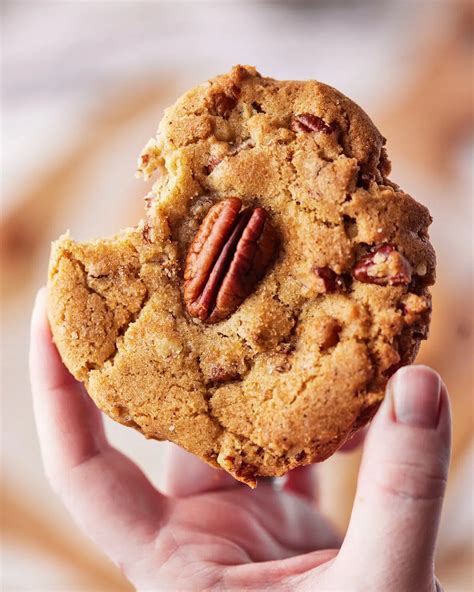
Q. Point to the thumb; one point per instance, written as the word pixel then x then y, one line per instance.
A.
pixel 394 523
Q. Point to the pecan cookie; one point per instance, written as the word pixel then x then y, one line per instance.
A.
pixel 276 282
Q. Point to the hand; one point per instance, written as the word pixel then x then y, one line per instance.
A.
pixel 204 531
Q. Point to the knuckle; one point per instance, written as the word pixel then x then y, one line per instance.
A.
pixel 412 481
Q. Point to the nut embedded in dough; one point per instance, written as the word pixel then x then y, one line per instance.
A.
pixel 227 257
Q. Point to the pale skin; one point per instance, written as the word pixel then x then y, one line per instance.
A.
pixel 201 530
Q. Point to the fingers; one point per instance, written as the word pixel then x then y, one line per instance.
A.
pixel 184 474
pixel 104 491
pixel 303 481
pixel 394 522
pixel 60 402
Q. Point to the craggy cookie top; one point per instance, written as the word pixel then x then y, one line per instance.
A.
pixel 277 281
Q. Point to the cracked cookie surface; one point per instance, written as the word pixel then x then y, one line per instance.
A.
pixel 304 359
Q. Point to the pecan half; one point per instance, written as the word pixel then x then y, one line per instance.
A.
pixel 383 266
pixel 306 122
pixel 227 257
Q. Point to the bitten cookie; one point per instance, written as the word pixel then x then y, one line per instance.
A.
pixel 276 282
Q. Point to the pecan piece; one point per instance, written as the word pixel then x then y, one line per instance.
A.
pixel 306 122
pixel 223 103
pixel 227 257
pixel 329 281
pixel 219 373
pixel 147 232
pixel 213 162
pixel 326 279
pixel 383 266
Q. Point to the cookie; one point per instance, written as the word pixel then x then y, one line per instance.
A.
pixel 275 283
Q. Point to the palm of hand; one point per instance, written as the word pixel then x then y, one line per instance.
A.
pixel 208 533
pixel 227 538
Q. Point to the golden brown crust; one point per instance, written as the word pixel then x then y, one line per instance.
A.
pixel 304 360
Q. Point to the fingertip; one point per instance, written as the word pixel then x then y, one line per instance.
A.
pixel 417 397
pixel 39 305
pixel 40 331
pixel 416 392
pixel 416 406
pixel 40 294
pixel 413 372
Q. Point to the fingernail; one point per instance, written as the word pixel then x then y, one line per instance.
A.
pixel 416 395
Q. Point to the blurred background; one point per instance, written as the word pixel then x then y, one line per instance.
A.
pixel 84 85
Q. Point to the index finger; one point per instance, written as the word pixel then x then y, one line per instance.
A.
pixel 106 493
